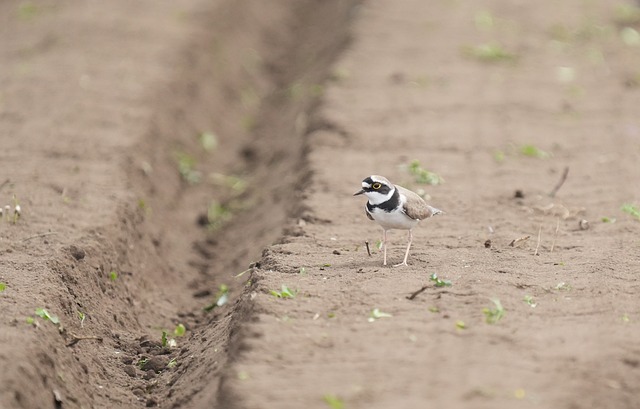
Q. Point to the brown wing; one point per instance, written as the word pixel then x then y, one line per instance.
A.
pixel 415 207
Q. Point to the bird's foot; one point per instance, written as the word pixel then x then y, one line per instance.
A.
pixel 404 263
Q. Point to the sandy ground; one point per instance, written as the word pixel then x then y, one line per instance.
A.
pixel 127 222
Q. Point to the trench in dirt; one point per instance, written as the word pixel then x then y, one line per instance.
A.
pixel 253 80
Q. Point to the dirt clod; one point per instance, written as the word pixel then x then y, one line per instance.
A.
pixel 130 370
pixel 77 252
pixel 157 363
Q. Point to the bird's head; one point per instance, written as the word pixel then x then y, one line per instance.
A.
pixel 378 189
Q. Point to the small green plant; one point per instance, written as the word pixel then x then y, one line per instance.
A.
pixel 187 168
pixel 562 286
pixel 235 183
pixel 82 317
pixel 167 342
pixel 438 282
pixel 180 330
pixel 529 300
pixel 3 286
pixel 625 318
pixel 30 320
pixel 499 156
pixel 217 215
pixel 222 297
pixel 113 276
pixel 172 363
pixel 377 314
pixel 490 52
pixel 142 362
pixel 533 151
pixel 44 314
pixel 302 271
pixel 434 309
pixel 209 141
pixel 493 315
pixel 285 292
pixel 422 175
pixel 608 219
pixel 460 325
pixel 631 210
pixel 627 14
pixel 333 401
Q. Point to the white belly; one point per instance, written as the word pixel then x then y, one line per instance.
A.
pixel 393 220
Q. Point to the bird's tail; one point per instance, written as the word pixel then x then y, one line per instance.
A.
pixel 435 211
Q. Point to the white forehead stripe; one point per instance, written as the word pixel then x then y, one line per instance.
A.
pixel 380 179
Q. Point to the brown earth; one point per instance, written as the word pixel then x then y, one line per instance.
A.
pixel 102 102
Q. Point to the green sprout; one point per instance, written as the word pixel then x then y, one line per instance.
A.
pixel 30 320
pixel 493 315
pixel 529 300
pixel 333 401
pixel 285 292
pixel 82 317
pixel 142 362
pixel 438 282
pixel 113 276
pixel 180 330
pixel 166 341
pixel 631 209
pixel 44 314
pixel 460 325
pixel 217 215
pixel 422 175
pixel 3 286
pixel 627 14
pixel 222 297
pixel 236 183
pixel 499 156
pixel 377 314
pixel 209 141
pixel 187 168
pixel 490 52
pixel 533 152
pixel 562 286
pixel 434 309
pixel 172 363
pixel 608 219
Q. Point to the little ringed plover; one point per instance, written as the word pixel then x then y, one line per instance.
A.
pixel 394 207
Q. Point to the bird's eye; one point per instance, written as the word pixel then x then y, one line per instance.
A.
pixel 376 186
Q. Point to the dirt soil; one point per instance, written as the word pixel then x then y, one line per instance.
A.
pixel 130 224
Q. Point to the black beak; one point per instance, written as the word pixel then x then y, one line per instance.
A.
pixel 359 193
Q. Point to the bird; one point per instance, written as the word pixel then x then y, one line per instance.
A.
pixel 394 207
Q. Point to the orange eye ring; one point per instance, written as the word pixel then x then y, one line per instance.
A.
pixel 376 186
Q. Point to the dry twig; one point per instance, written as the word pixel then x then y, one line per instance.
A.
pixel 366 243
pixel 77 338
pixel 518 241
pixel 35 236
pixel 416 293
pixel 555 236
pixel 535 253
pixel 565 173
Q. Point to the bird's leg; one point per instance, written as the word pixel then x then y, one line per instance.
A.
pixel 384 247
pixel 406 254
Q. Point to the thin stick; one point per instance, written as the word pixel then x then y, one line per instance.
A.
pixel 555 236
pixel 77 338
pixel 415 294
pixel 565 173
pixel 535 253
pixel 366 243
pixel 39 235
pixel 515 242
